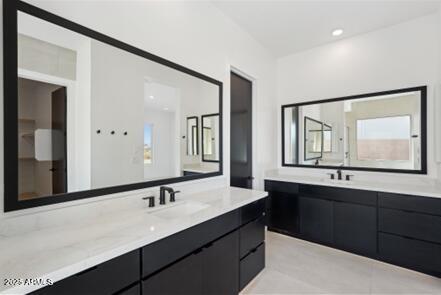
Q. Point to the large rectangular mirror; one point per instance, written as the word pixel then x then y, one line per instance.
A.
pixel 383 131
pixel 87 114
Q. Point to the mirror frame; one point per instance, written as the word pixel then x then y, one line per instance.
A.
pixel 202 136
pixel 423 106
pixel 10 106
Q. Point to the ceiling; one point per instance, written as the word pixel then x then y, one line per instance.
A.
pixel 286 27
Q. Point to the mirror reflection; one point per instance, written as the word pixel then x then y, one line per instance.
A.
pixel 91 115
pixel 380 131
pixel 192 136
pixel 210 138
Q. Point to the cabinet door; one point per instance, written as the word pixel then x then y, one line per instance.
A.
pixel 316 219
pixel 220 268
pixel 283 215
pixel 355 228
pixel 184 277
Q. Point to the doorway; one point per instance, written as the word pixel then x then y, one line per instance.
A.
pixel 241 170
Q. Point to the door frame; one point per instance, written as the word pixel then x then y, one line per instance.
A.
pixel 253 80
pixel 70 86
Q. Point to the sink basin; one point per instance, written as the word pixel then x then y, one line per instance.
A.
pixel 179 210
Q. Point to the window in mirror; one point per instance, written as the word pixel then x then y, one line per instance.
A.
pixel 327 138
pixel 148 142
pixel 210 138
pixel 89 111
pixel 192 136
pixel 384 139
pixel 383 131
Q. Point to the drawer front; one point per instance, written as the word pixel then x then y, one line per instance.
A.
pixel 282 187
pixel 252 211
pixel 339 194
pixel 106 278
pixel 252 265
pixel 410 224
pixel 251 236
pixel 410 203
pixel 163 252
pixel 414 254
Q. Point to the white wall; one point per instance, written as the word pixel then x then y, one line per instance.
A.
pixel 399 56
pixel 196 35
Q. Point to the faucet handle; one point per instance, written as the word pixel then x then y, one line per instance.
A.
pixel 331 175
pixel 172 196
pixel 151 200
pixel 348 177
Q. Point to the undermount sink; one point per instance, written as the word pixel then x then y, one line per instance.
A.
pixel 179 210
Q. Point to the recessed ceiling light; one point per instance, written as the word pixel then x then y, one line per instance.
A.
pixel 151 97
pixel 337 32
pixel 165 109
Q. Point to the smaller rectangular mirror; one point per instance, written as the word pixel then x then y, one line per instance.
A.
pixel 192 136
pixel 210 138
pixel 313 137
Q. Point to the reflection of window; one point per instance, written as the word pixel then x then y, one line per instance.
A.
pixel 384 139
pixel 208 138
pixel 327 138
pixel 148 138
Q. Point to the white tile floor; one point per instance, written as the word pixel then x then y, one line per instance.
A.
pixel 298 267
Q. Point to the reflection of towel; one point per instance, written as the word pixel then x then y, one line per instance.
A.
pixel 49 145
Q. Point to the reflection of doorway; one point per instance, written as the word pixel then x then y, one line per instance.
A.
pixel 42 139
pixel 241 132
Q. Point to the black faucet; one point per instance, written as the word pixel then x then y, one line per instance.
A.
pixel 162 191
pixel 339 176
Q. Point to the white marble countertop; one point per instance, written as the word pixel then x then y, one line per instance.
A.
pixel 425 190
pixel 59 252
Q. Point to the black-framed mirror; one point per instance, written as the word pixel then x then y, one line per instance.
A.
pixel 382 131
pixel 210 137
pixel 192 136
pixel 88 115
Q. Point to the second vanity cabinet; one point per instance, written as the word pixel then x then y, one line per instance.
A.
pixel 342 218
pixel 219 256
pixel 400 229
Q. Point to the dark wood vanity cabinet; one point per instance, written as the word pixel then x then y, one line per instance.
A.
pixel 283 207
pixel 219 256
pixel 400 229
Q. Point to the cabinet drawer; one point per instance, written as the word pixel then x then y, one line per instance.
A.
pixel 410 224
pixel 252 211
pixel 106 278
pixel 251 265
pixel 282 187
pixel 339 194
pixel 414 254
pixel 410 203
pixel 251 236
pixel 163 252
